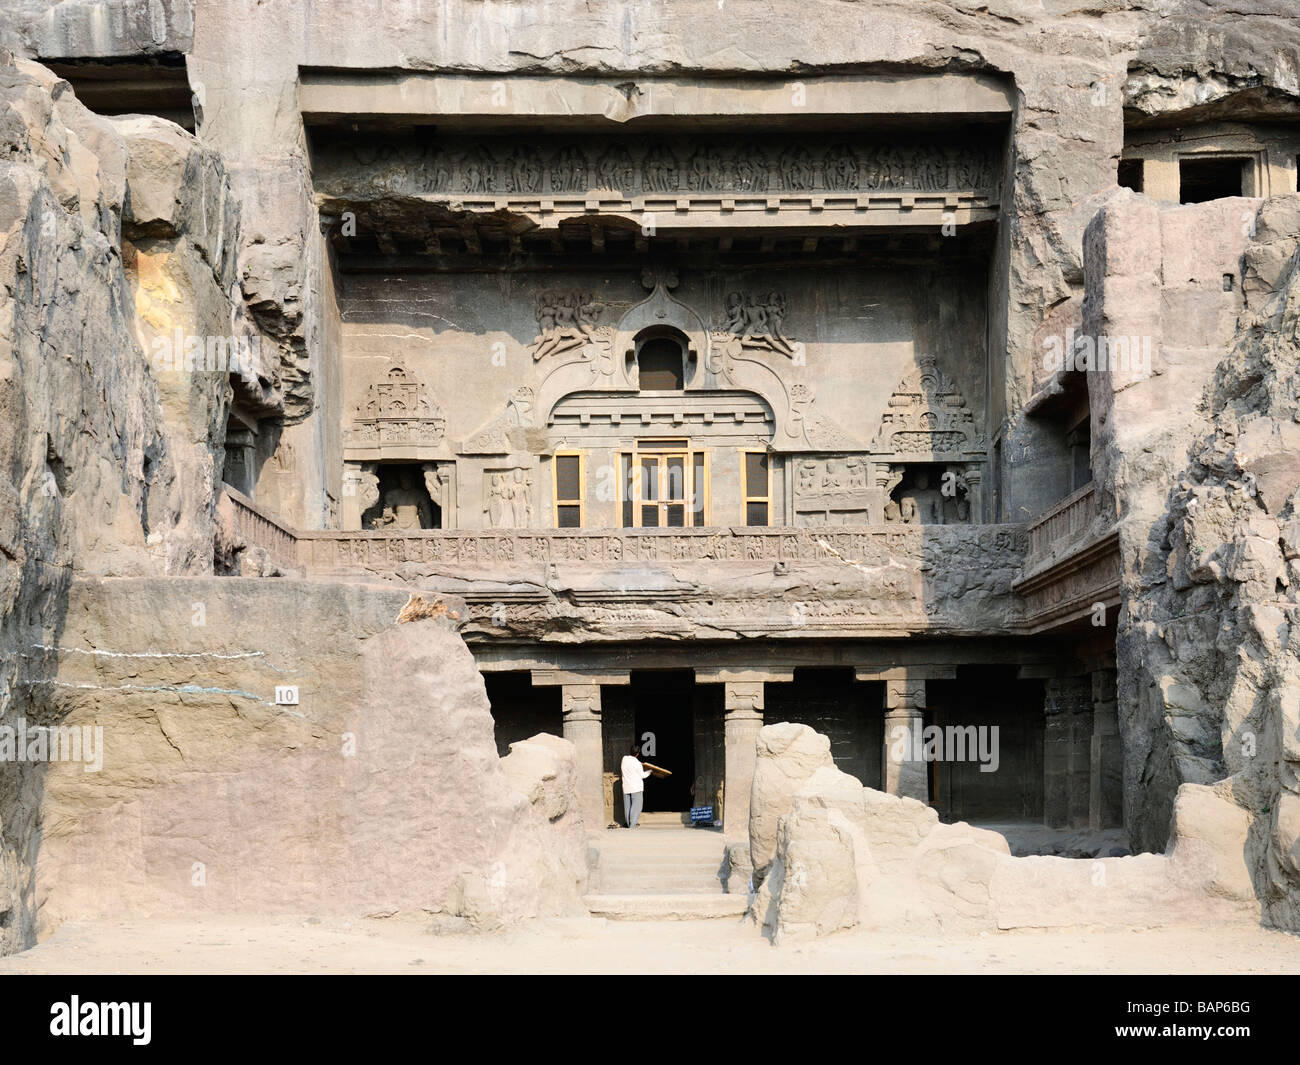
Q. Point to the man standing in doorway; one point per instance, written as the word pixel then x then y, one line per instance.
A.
pixel 634 774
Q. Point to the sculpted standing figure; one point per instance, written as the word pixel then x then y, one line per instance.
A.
pixel 926 503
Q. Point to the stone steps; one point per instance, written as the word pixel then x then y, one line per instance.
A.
pixel 663 863
pixel 662 820
pixel 690 907
pixel 623 884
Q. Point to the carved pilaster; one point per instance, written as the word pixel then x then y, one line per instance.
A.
pixel 975 491
pixel 360 493
pixel 440 483
pixel 1067 748
pixel 1106 771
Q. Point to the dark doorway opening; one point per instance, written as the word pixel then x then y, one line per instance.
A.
pixel 519 710
pixel 663 713
pixel 1200 180
pixel 848 712
pixel 1130 174
pixel 984 697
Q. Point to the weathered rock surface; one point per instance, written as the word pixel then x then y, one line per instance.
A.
pixel 105 466
pixel 787 756
pixel 1209 677
pixel 848 856
pixel 379 792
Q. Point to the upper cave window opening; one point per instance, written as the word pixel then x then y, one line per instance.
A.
pixel 1213 177
pixel 1130 174
pixel 661 364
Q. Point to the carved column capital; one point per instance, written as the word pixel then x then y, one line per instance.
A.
pixel 744 699
pixel 906 695
pixel 580 702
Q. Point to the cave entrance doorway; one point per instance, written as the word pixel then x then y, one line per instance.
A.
pixel 663 715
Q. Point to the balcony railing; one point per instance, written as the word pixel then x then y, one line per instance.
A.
pixel 1063 527
pixel 332 551
pixel 261 528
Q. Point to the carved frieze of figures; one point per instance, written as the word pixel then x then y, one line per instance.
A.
pixel 750 171
pixel 683 164
pixel 659 171
pixel 480 171
pixel 615 170
pixel 841 168
pixel 709 170
pixel 569 169
pixel 525 173
pixel 508 498
pixel 834 490
pixel 565 320
pixel 796 168
pixel 758 321
pixel 397 410
pixel 927 416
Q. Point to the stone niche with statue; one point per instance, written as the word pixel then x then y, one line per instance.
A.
pixel 399 471
pixel 929 454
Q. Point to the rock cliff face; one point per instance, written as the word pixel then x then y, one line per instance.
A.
pixel 1206 496
pixel 1076 68
pixel 111 233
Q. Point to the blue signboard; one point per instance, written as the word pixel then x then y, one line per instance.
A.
pixel 701 815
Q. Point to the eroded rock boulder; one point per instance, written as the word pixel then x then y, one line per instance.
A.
pixel 788 754
pixel 848 856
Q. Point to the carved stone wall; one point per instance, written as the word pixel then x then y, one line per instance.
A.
pixel 677 165
pixel 536 362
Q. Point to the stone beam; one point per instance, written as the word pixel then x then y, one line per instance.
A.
pixel 549 677
pixel 745 675
pixel 719 663
pixel 903 674
pixel 492 100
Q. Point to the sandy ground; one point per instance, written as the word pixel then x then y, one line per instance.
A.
pixel 228 945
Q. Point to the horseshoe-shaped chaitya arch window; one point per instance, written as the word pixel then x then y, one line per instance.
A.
pixel 661 361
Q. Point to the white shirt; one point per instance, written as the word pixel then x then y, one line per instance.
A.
pixel 633 775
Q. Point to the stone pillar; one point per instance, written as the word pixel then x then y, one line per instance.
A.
pixel 581 706
pixel 238 471
pixel 902 772
pixel 1106 793
pixel 440 483
pixel 1067 751
pixel 975 492
pixel 744 706
pixel 360 493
